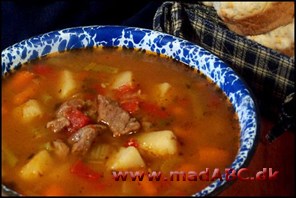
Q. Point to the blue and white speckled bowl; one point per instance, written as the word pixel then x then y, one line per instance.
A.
pixel 190 54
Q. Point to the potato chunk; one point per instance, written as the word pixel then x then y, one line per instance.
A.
pixel 31 110
pixel 163 93
pixel 123 78
pixel 67 84
pixel 163 88
pixel 126 158
pixel 158 143
pixel 37 166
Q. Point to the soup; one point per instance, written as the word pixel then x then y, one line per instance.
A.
pixel 72 121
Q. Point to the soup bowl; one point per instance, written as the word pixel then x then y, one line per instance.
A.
pixel 178 49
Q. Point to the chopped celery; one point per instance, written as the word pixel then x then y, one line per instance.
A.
pixel 46 98
pixel 100 153
pixel 100 68
pixel 127 188
pixel 170 163
pixel 39 131
pixel 8 156
pixel 47 146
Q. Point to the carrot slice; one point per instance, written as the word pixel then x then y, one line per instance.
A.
pixel 26 94
pixel 54 190
pixel 148 187
pixel 130 106
pixel 21 79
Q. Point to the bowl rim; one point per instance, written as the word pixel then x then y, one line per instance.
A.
pixel 251 151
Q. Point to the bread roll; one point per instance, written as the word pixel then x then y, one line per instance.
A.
pixel 280 39
pixel 254 18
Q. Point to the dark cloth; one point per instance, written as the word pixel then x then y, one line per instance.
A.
pixel 268 73
pixel 23 19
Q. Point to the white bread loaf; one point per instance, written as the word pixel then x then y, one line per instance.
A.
pixel 280 39
pixel 253 18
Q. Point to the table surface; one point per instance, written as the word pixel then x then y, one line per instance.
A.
pixel 280 156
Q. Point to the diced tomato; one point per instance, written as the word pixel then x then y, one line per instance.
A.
pixel 126 91
pixel 132 142
pixel 153 110
pixel 128 97
pixel 130 106
pixel 82 170
pixel 42 69
pixel 90 96
pixel 77 120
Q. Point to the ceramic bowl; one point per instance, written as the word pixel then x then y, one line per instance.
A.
pixel 181 50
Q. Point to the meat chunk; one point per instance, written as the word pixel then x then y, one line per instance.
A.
pixel 61 121
pixel 76 116
pixel 58 124
pixel 119 121
pixel 74 103
pixel 84 137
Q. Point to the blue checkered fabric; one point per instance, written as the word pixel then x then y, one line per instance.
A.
pixel 268 73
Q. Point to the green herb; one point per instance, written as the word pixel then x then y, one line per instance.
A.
pixel 100 68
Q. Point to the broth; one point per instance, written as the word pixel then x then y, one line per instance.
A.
pixel 194 124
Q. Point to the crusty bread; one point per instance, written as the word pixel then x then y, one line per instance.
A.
pixel 254 18
pixel 208 3
pixel 280 39
pixel 269 23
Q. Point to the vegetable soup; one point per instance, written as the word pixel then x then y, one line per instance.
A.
pixel 72 121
